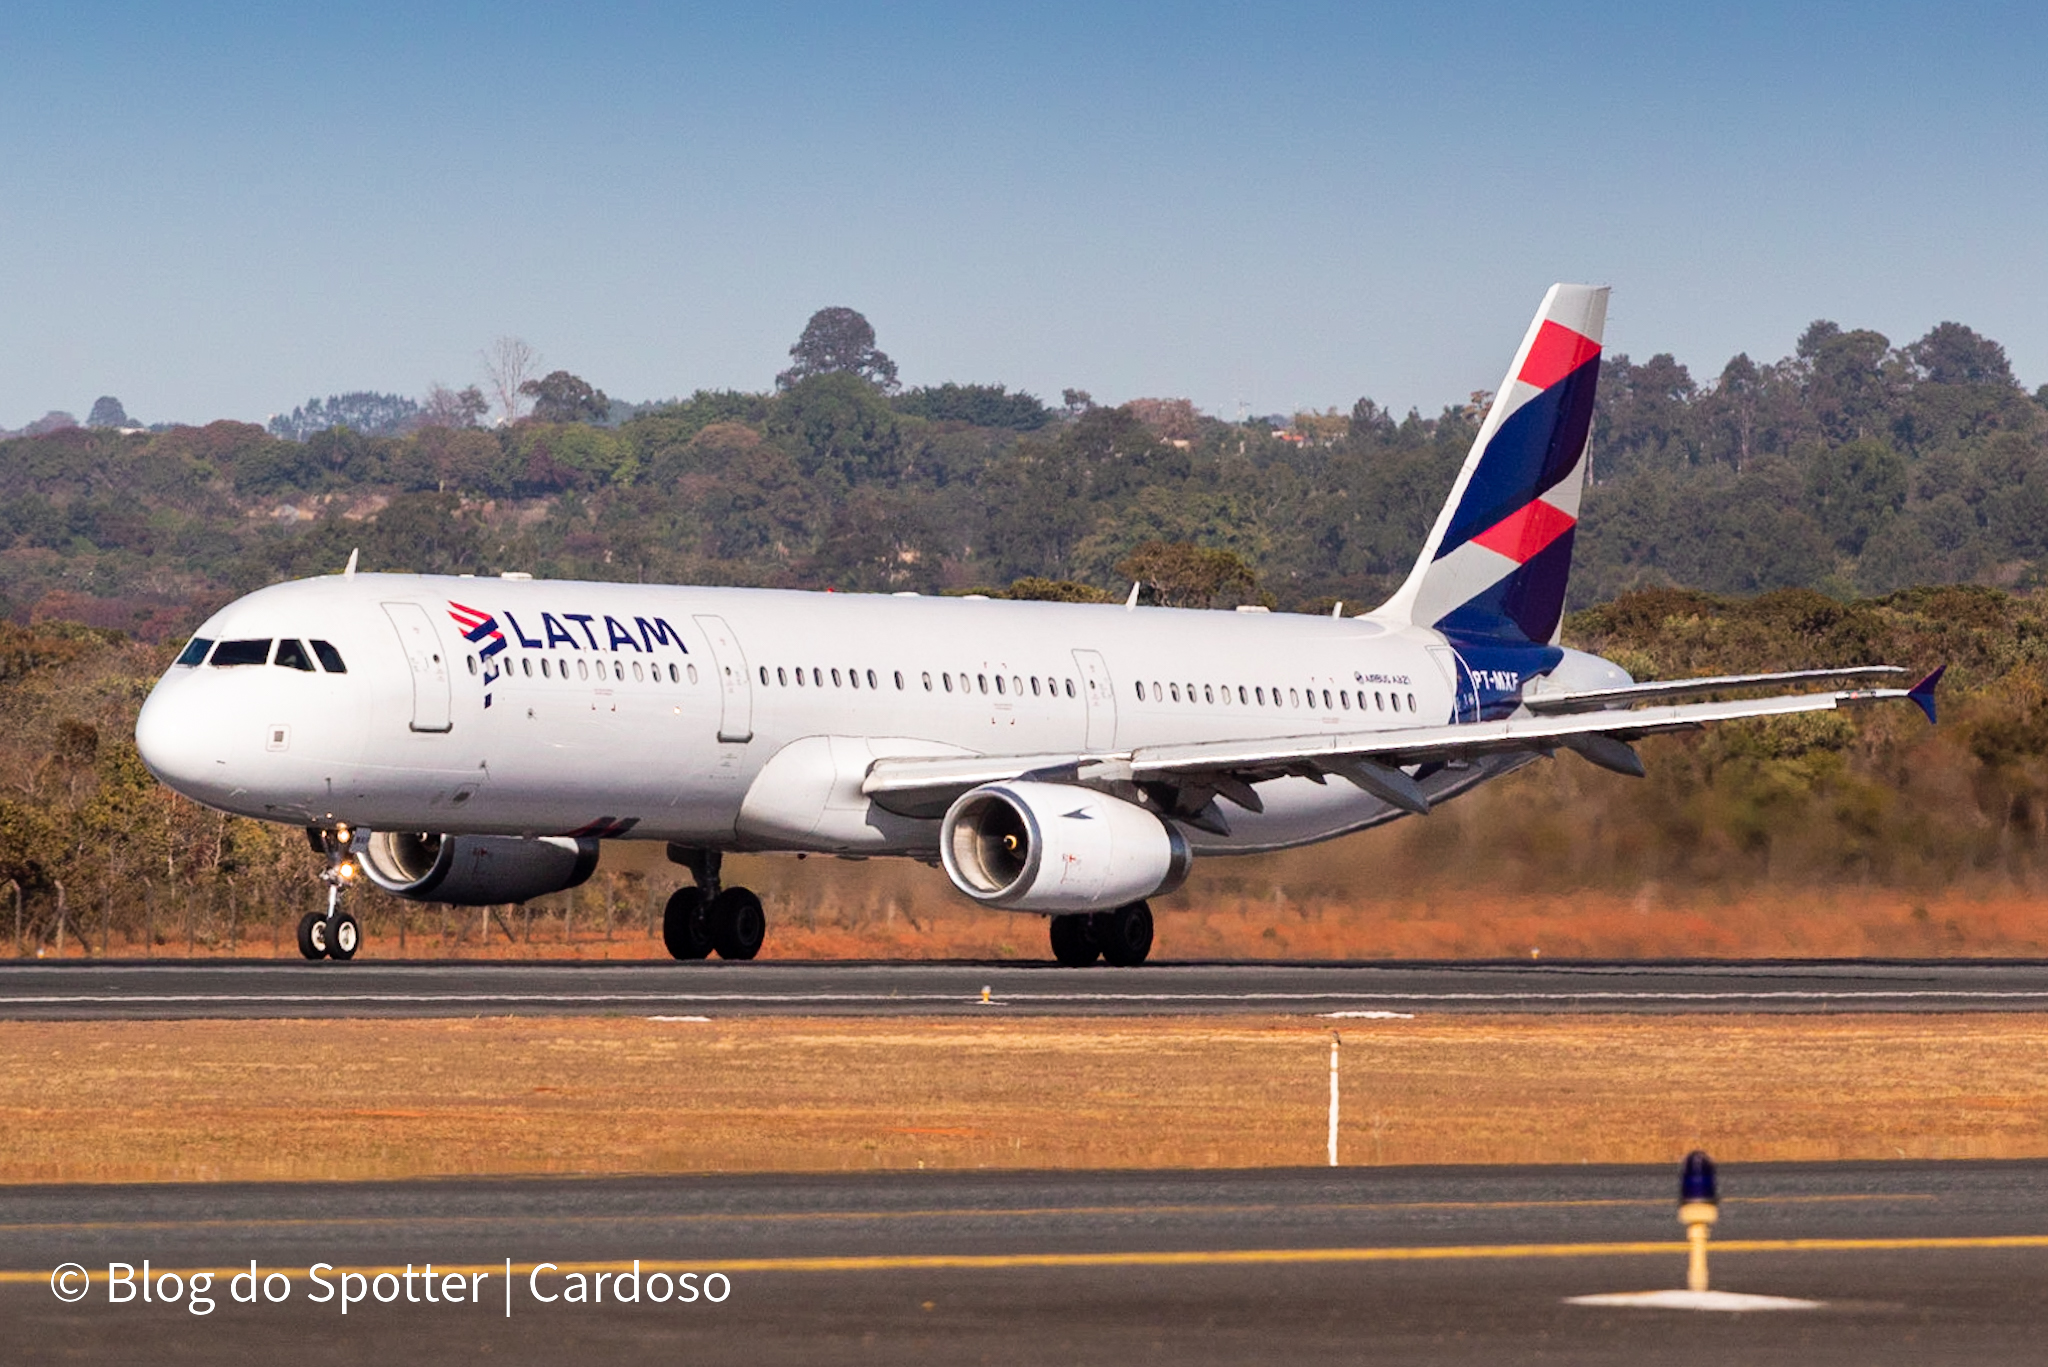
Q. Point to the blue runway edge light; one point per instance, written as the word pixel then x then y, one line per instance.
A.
pixel 1697 1183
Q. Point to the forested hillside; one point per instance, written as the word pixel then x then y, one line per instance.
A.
pixel 1834 491
pixel 1851 466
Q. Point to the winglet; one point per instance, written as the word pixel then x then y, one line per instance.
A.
pixel 1922 693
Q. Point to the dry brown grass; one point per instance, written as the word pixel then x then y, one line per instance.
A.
pixel 210 1100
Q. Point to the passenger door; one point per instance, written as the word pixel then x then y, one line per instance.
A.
pixel 1464 693
pixel 422 645
pixel 735 686
pixel 1100 698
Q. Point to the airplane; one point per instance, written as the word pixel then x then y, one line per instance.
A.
pixel 474 740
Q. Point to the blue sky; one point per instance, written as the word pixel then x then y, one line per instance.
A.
pixel 220 210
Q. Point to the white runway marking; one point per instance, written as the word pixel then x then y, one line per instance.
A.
pixel 1696 1300
pixel 540 998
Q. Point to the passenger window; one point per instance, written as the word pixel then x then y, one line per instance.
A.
pixel 899 681
pixel 329 657
pixel 764 676
pixel 1262 696
pixel 1293 696
pixel 194 651
pixel 800 678
pixel 1034 686
pixel 292 655
pixel 1411 702
pixel 947 680
pixel 232 653
pixel 1208 694
pixel 1070 687
pixel 691 670
pixel 927 681
pixel 637 675
pixel 583 669
pixel 999 683
pixel 618 669
pixel 1158 694
pixel 873 684
pixel 1327 704
pixel 781 676
pixel 526 666
pixel 853 678
pixel 544 668
pixel 983 680
pixel 1173 691
pixel 817 676
pixel 1241 698
pixel 561 667
pixel 470 658
pixel 1141 692
pixel 835 679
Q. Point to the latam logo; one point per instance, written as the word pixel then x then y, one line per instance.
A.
pixel 481 629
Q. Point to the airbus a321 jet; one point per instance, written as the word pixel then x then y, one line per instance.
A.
pixel 473 740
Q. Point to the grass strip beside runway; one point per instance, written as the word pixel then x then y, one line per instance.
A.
pixel 358 1099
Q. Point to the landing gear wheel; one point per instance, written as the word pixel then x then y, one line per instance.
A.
pixel 738 925
pixel 684 927
pixel 1125 934
pixel 1073 941
pixel 313 935
pixel 343 935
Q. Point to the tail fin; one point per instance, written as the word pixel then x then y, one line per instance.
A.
pixel 1495 565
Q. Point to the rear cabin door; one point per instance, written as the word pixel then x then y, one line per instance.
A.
pixel 735 687
pixel 430 704
pixel 1464 692
pixel 1100 698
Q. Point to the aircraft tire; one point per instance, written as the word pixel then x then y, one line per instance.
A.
pixel 738 924
pixel 1125 934
pixel 1073 941
pixel 685 929
pixel 313 935
pixel 344 936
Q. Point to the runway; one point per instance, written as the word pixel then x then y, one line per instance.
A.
pixel 261 989
pixel 1913 1262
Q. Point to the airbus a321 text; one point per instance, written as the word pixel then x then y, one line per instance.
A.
pixel 473 740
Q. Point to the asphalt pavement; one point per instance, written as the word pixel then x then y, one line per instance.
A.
pixel 169 990
pixel 1910 1263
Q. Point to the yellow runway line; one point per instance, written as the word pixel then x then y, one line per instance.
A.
pixel 1237 1257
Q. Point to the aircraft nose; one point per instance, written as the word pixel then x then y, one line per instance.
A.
pixel 175 742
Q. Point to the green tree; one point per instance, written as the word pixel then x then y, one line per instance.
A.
pixel 1854 489
pixel 563 398
pixel 838 341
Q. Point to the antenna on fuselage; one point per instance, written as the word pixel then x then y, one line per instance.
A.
pixel 1338 610
pixel 1132 601
pixel 349 570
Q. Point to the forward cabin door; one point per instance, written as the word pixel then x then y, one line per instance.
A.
pixel 735 686
pixel 430 702
pixel 1100 697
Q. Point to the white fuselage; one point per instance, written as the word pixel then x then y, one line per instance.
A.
pixel 744 718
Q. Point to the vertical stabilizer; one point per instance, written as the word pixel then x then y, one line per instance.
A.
pixel 1495 565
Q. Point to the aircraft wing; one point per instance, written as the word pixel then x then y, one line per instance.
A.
pixel 1549 703
pixel 1374 761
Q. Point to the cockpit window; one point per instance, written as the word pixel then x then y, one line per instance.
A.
pixel 194 651
pixel 330 658
pixel 292 655
pixel 241 653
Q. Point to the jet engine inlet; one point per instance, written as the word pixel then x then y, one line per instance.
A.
pixel 1053 847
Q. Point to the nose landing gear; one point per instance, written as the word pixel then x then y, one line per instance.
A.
pixel 704 918
pixel 337 934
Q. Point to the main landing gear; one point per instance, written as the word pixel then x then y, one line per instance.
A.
pixel 337 934
pixel 704 918
pixel 1122 937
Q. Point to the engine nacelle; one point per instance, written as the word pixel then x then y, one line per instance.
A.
pixel 473 870
pixel 1053 847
